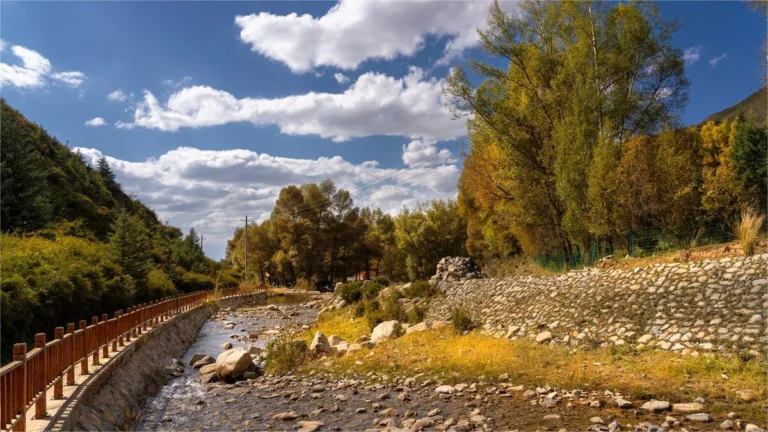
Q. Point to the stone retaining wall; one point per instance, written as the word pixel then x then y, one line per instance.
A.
pixel 112 399
pixel 691 308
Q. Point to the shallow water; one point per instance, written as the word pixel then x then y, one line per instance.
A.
pixel 178 399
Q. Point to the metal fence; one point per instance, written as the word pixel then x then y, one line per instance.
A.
pixel 635 244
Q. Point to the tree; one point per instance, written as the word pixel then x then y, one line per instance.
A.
pixel 106 174
pixel 24 205
pixel 750 161
pixel 130 247
pixel 578 73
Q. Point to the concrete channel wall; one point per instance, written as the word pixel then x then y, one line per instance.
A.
pixel 112 398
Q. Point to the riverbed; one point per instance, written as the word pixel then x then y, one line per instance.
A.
pixel 180 403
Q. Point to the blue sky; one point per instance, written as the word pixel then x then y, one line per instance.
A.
pixel 272 98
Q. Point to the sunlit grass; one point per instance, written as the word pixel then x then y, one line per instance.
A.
pixel 748 229
pixel 446 356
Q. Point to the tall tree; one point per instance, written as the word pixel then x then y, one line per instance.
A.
pixel 131 248
pixel 578 73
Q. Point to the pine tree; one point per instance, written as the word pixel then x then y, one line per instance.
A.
pixel 131 249
pixel 107 175
pixel 23 202
pixel 750 157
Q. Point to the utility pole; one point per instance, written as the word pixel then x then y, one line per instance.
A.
pixel 246 247
pixel 202 236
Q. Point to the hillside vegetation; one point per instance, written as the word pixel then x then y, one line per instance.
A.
pixel 74 245
pixel 752 108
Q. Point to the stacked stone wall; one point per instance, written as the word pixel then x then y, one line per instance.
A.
pixel 690 308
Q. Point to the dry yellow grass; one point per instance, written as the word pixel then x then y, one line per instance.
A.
pixel 338 322
pixel 449 357
pixel 748 229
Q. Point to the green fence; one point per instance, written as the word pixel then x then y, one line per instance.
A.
pixel 635 244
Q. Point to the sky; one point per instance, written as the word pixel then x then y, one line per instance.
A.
pixel 205 110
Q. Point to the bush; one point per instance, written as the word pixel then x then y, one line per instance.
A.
pixel 188 281
pixel 461 320
pixel 391 309
pixel 371 291
pixel 416 314
pixel 748 228
pixel 381 280
pixel 351 291
pixel 159 284
pixel 421 289
pixel 284 354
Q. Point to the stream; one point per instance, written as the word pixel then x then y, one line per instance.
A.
pixel 177 405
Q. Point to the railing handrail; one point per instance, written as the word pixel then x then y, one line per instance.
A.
pixel 25 380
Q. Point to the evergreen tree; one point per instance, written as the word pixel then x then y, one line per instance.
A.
pixel 24 205
pixel 107 175
pixel 750 158
pixel 131 248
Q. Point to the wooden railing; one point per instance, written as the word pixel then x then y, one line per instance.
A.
pixel 25 380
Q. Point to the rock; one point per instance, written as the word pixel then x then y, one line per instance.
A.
pixel 211 368
pixel 726 425
pixel 310 426
pixel 753 428
pixel 434 412
pixel 355 347
pixel 544 337
pixel 255 351
pixel 233 363
pixel 226 345
pixel 623 403
pixel 420 327
pixel 437 325
pixel 552 417
pixel 335 340
pixel 229 326
pixel 699 417
pixel 204 362
pixel 444 389
pixel 422 424
pixel 196 357
pixel 385 330
pixel 596 420
pixel 656 406
pixel 687 408
pixel 341 348
pixel 320 345
pixel 286 416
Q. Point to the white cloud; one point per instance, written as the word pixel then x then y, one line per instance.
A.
pixel 95 122
pixel 692 55
pixel 118 96
pixel 376 104
pixel 341 78
pixel 423 153
pixel 664 93
pixel 175 84
pixel 354 31
pixel 72 79
pixel 33 70
pixel 713 62
pixel 213 189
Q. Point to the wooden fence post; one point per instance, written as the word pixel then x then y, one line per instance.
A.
pixel 20 405
pixel 129 324
pixel 120 327
pixel 95 339
pixel 104 335
pixel 72 355
pixel 60 355
pixel 41 376
pixel 84 353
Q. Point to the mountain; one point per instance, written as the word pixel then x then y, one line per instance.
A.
pixel 754 108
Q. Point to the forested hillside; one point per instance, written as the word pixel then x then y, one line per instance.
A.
pixel 752 108
pixel 316 233
pixel 74 244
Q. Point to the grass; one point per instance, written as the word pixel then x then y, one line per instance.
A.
pixel 748 229
pixel 445 356
pixel 338 322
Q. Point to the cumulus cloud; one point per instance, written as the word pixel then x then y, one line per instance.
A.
pixel 95 122
pixel 424 153
pixel 212 189
pixel 692 55
pixel 341 78
pixel 713 62
pixel 354 31
pixel 32 69
pixel 117 96
pixel 376 104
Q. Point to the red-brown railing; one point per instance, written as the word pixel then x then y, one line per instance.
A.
pixel 25 380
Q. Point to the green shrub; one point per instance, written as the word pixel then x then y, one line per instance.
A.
pixel 371 290
pixel 416 314
pixel 351 291
pixel 284 354
pixel 381 280
pixel 389 309
pixel 421 289
pixel 159 284
pixel 190 281
pixel 461 320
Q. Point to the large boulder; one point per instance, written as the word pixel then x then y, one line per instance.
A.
pixel 320 345
pixel 204 362
pixel 233 363
pixel 386 330
pixel 420 327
